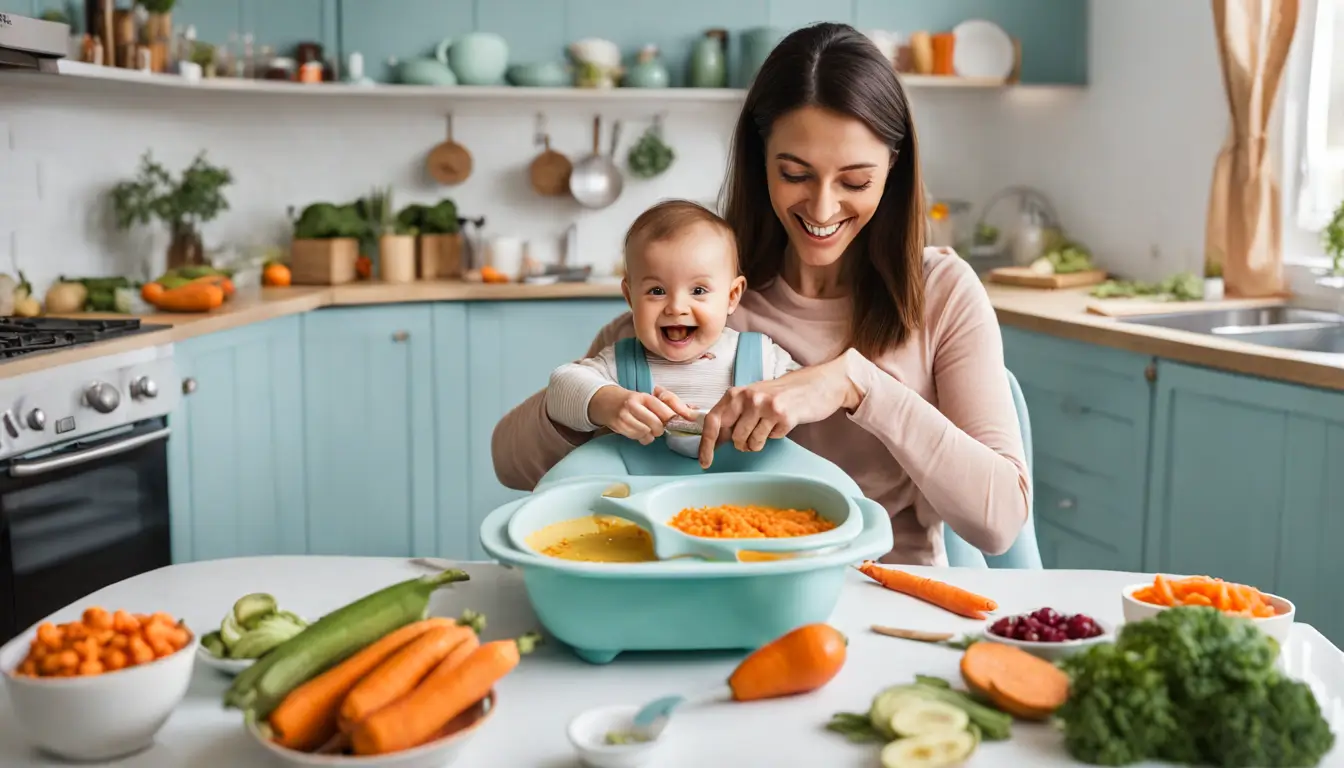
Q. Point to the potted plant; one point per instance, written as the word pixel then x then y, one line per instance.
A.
pixel 396 240
pixel 1332 238
pixel 1213 281
pixel 325 248
pixel 184 204
pixel 440 238
pixel 158 31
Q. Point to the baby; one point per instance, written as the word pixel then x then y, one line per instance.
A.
pixel 682 283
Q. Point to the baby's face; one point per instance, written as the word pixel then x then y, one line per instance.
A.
pixel 681 291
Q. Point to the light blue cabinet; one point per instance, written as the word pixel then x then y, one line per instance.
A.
pixel 514 347
pixel 1090 411
pixel 236 450
pixel 1247 485
pixel 454 475
pixel 368 398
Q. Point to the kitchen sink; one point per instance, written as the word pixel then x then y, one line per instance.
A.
pixel 1307 330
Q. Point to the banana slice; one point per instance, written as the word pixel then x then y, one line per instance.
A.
pixel 931 750
pixel 916 718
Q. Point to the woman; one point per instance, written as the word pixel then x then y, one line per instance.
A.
pixel 903 385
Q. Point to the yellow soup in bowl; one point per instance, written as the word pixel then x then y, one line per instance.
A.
pixel 594 539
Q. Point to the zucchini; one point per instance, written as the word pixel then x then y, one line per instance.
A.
pixel 931 750
pixel 251 609
pixel 919 716
pixel 993 724
pixel 230 632
pixel 214 644
pixel 331 640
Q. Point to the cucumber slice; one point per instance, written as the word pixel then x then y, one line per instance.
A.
pixel 252 608
pixel 932 750
pixel 918 718
pixel 229 631
pixel 888 703
pixel 214 644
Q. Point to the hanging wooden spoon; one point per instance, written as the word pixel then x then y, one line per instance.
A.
pixel 550 171
pixel 449 162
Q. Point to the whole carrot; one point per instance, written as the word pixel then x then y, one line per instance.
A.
pixel 399 674
pixel 309 715
pixel 419 716
pixel 460 653
pixel 941 594
pixel 801 661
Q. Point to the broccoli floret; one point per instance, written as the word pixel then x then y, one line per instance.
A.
pixel 325 220
pixel 1118 711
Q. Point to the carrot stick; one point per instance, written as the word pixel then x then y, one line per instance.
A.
pixel 941 594
pixel 1014 680
pixel 399 674
pixel 308 716
pixel 419 716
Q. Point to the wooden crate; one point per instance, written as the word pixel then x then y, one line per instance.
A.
pixel 323 262
pixel 441 256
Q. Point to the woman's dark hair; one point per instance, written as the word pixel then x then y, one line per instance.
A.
pixel 834 67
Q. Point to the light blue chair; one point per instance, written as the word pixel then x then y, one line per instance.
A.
pixel 1024 553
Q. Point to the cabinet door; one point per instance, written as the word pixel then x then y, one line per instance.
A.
pixel 1246 486
pixel 235 455
pixel 457 536
pixel 368 446
pixel 513 348
pixel 1090 411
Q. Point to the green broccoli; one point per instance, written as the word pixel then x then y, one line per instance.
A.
pixel 1191 685
pixel 325 220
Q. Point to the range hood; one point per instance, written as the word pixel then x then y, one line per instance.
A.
pixel 31 44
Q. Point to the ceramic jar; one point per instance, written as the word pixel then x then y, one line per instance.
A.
pixel 648 71
pixel 478 58
pixel 709 66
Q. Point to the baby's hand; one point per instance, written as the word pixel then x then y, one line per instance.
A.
pixel 632 414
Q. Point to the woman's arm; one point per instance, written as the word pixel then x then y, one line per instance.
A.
pixel 526 443
pixel 965 455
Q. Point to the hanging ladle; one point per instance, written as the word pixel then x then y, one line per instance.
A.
pixel 596 181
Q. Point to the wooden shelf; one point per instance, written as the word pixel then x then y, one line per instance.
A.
pixel 80 75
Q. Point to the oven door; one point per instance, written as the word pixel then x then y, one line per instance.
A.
pixel 80 517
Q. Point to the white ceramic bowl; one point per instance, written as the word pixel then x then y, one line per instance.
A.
pixel 101 717
pixel 436 754
pixel 1054 651
pixel 588 733
pixel 1277 627
pixel 227 666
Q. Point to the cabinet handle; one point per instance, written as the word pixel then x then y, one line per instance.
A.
pixel 1150 372
pixel 1066 503
pixel 188 386
pixel 401 336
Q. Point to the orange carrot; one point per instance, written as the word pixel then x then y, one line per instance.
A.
pixel 399 674
pixel 1013 680
pixel 455 657
pixel 1234 599
pixel 801 661
pixel 308 716
pixel 192 297
pixel 420 716
pixel 941 594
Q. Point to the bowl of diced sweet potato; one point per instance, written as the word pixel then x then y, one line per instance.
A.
pixel 100 687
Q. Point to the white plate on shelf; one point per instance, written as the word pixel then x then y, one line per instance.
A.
pixel 982 49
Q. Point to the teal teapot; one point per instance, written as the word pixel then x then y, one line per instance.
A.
pixel 425 71
pixel 477 58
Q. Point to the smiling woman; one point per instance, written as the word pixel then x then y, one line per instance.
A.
pixel 903 384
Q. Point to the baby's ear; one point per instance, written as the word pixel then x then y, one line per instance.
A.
pixel 625 291
pixel 735 290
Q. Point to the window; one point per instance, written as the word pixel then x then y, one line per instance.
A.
pixel 1313 130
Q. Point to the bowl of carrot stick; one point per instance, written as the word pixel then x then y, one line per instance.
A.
pixel 1272 614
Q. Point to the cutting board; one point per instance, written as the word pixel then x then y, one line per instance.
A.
pixel 1024 277
pixel 1140 307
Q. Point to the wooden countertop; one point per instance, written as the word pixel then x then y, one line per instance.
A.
pixel 1059 313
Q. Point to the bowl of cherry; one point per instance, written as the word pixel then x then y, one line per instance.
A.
pixel 1049 634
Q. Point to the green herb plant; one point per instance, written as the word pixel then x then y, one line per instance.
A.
pixel 1192 686
pixel 1332 238
pixel 158 6
pixel 437 219
pixel 194 198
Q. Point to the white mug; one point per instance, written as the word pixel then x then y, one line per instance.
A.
pixel 506 255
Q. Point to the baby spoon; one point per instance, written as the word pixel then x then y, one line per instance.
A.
pixel 660 709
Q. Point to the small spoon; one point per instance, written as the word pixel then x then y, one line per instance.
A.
pixel 661 709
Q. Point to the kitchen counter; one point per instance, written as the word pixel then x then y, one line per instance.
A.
pixel 1061 313
pixel 551 686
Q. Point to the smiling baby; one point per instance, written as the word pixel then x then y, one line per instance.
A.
pixel 682 283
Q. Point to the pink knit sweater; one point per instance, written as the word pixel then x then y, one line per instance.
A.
pixel 936 439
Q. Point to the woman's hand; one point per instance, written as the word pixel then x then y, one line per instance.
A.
pixel 634 414
pixel 771 409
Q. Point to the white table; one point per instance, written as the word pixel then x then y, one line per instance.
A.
pixel 550 687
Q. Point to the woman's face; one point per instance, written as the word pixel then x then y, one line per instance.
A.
pixel 826 173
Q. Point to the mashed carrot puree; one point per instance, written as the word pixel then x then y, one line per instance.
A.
pixel 732 521
pixel 613 541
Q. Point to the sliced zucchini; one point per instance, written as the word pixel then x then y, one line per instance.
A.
pixel 888 703
pixel 932 750
pixel 252 608
pixel 214 645
pixel 229 631
pixel 917 718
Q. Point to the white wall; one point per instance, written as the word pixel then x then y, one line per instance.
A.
pixel 1127 160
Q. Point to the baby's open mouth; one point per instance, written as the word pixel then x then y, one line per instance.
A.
pixel 678 334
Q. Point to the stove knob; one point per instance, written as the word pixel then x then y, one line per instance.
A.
pixel 37 419
pixel 144 387
pixel 104 398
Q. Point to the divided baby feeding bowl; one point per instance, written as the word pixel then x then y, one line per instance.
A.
pixel 601 609
pixel 652 509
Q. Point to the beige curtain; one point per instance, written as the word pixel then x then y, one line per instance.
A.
pixel 1244 227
